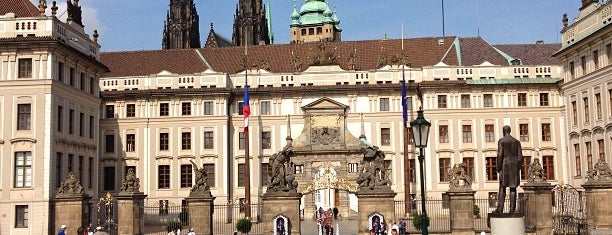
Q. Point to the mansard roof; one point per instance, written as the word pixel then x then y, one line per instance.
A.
pixel 21 8
pixel 143 63
pixel 532 54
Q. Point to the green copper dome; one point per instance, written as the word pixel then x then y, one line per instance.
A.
pixel 295 17
pixel 314 12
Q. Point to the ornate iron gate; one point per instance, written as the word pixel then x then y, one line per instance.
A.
pixel 569 211
pixel 107 214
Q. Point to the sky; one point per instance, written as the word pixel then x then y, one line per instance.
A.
pixel 132 25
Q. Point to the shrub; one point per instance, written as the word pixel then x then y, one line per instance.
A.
pixel 172 225
pixel 244 225
pixel 476 210
pixel 418 222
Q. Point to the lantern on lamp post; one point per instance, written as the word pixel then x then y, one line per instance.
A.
pixel 420 134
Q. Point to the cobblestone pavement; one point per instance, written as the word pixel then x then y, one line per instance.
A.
pixel 346 227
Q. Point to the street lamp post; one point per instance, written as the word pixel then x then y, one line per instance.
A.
pixel 420 134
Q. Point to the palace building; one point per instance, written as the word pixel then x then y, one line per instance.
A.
pixel 49 100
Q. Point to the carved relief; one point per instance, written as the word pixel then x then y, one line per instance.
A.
pixel 131 183
pixel 70 187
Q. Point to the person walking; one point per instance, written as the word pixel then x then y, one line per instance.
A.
pixel 402 227
pixel 191 232
pixel 100 231
pixel 62 230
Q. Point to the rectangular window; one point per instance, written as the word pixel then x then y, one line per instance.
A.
pixel 298 169
pixel 163 141
pixel 164 109
pixel 409 103
pixel 240 175
pixel 209 140
pixel 598 105
pixel 71 77
pixel 21 216
pixel 91 127
pixel 469 166
pixel 25 68
pixel 544 99
pixel 609 53
pixel 81 123
pixel 265 171
pixel 596 59
pixel 549 166
pixel 266 140
pixel 80 168
pixel 575 113
pixel 443 133
pixel 130 110
pixel 70 162
pixel 353 167
pixel 525 167
pixel 240 107
pixel 491 168
pixel 109 178
pixel 210 169
pixel 412 170
pixel 389 168
pixel 465 101
pixel 589 155
pixel 545 131
pixel 24 116
pixel 208 108
pixel 71 121
pixel 163 176
pixel 488 100
pixel 186 176
pixel 467 133
pixel 58 169
pixel 110 143
pixel 489 133
pixel 186 108
pixel 577 160
pixel 60 71
pixel 186 140
pixel 60 118
pixel 241 140
pixel 444 168
pixel 82 82
pixel 583 65
pixel 442 101
pixel 585 101
pixel 130 142
pixel 384 104
pixel 92 85
pixel 265 108
pixel 385 136
pixel 601 148
pixel 524 132
pixel 522 99
pixel 110 111
pixel 572 69
pixel 89 172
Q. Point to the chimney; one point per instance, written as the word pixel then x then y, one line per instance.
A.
pixel 586 3
pixel 539 42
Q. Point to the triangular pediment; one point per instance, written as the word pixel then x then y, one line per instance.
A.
pixel 325 103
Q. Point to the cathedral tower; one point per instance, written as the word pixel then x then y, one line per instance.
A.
pixel 251 24
pixel 181 28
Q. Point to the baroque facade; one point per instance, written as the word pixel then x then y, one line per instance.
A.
pixel 158 117
pixel 586 56
pixel 49 99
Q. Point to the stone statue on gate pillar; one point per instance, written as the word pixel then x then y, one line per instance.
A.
pixel 509 158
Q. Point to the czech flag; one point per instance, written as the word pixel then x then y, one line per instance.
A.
pixel 246 110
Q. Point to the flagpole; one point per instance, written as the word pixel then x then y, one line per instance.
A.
pixel 407 176
pixel 247 164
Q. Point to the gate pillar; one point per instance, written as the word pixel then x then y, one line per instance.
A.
pixel 538 207
pixel 461 212
pixel 371 201
pixel 130 213
pixel 598 190
pixel 70 205
pixel 287 204
pixel 201 214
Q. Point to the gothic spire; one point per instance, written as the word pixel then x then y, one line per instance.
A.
pixel 250 24
pixel 182 26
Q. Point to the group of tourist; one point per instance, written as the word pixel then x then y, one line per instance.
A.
pixel 325 220
pixel 391 228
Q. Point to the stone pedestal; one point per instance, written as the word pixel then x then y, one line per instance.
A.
pixel 201 214
pixel 461 212
pixel 285 204
pixel 130 212
pixel 538 207
pixel 70 210
pixel 375 201
pixel 598 207
pixel 507 224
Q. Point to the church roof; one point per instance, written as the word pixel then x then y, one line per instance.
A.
pixel 475 51
pixel 216 40
pixel 21 8
pixel 532 54
pixel 143 63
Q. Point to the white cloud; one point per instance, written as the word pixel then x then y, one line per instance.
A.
pixel 89 15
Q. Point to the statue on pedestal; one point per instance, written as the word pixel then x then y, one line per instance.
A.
pixel 71 186
pixel 509 158
pixel 283 178
pixel 373 173
pixel 131 183
pixel 201 187
pixel 536 173
pixel 459 179
pixel 600 173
